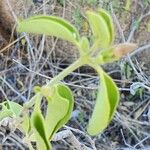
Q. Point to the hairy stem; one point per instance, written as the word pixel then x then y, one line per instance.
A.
pixel 66 71
pixel 59 77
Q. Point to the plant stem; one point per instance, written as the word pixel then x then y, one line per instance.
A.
pixel 60 76
pixel 67 71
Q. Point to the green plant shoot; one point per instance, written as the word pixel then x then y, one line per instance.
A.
pixel 39 128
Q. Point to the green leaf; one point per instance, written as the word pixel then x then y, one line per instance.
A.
pixel 101 33
pixel 4 106
pixel 5 113
pixel 15 108
pixel 109 21
pixel 106 103
pixel 25 121
pixel 50 25
pixel 39 126
pixel 42 141
pixel 9 109
pixel 105 56
pixel 65 92
pixel 59 109
pixel 85 47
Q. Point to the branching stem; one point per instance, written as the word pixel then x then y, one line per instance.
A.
pixel 81 61
pixel 67 71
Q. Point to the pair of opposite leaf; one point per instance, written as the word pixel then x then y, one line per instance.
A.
pixel 59 107
pixel 41 128
pixel 108 96
pixel 14 111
